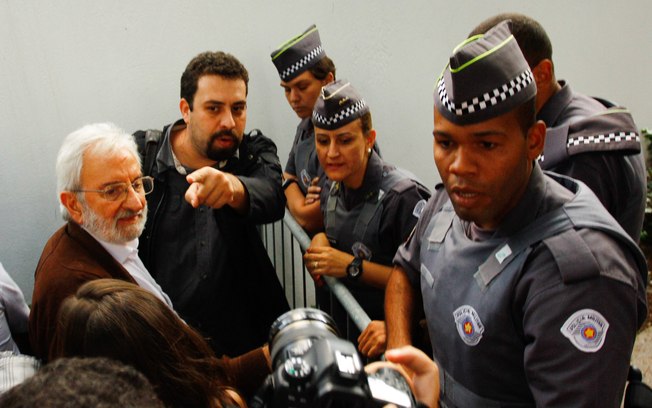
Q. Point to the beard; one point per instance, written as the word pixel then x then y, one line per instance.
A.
pixel 221 153
pixel 108 229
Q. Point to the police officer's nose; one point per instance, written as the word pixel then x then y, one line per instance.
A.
pixel 462 162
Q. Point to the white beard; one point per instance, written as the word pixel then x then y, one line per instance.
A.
pixel 108 230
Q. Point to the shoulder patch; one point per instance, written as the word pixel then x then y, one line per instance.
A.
pixel 418 208
pixel 469 326
pixel 586 329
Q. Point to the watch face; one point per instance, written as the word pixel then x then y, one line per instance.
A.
pixel 355 268
pixel 353 271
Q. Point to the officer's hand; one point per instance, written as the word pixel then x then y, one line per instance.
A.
pixel 424 372
pixel 373 340
pixel 211 187
pixel 325 260
pixel 312 195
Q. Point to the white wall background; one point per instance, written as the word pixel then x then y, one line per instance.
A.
pixel 67 63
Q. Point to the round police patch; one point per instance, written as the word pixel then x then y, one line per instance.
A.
pixel 469 326
pixel 418 208
pixel 306 179
pixel 586 329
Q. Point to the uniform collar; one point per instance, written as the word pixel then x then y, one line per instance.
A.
pixel 553 108
pixel 370 183
pixel 529 206
pixel 307 128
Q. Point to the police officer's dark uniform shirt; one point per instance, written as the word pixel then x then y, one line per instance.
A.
pixel 302 160
pixel 554 327
pixel 617 178
pixel 390 225
pixel 211 262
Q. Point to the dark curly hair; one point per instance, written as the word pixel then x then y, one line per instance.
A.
pixel 211 63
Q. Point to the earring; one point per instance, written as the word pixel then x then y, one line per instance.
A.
pixel 369 150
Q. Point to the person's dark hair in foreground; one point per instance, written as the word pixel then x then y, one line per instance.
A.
pixel 83 383
pixel 119 320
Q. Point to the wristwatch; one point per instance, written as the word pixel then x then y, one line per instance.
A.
pixel 354 270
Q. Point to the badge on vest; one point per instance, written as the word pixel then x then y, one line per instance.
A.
pixel 360 250
pixel 418 208
pixel 469 326
pixel 305 178
pixel 586 329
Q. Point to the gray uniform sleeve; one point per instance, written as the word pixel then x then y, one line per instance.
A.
pixel 564 320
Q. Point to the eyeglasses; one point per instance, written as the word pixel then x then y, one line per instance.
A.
pixel 119 191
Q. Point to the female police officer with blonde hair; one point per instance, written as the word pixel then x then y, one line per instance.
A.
pixel 368 212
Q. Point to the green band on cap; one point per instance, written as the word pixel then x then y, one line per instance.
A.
pixel 468 40
pixel 481 56
pixel 289 43
pixel 612 111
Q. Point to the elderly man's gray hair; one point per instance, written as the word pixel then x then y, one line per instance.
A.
pixel 104 139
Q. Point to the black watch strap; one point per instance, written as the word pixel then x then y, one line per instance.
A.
pixel 287 182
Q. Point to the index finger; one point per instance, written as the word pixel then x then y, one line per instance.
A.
pixel 192 195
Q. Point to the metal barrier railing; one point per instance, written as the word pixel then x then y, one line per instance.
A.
pixel 286 242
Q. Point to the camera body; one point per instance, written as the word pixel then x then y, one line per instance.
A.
pixel 313 367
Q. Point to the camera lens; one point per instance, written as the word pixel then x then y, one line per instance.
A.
pixel 297 328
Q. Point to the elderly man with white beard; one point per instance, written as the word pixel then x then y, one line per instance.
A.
pixel 102 197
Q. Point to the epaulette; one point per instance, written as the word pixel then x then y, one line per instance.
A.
pixel 612 130
pixel 573 256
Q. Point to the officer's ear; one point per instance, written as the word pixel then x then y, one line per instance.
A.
pixel 543 73
pixel 370 138
pixel 73 206
pixel 536 138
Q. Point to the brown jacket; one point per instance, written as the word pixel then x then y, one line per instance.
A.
pixel 70 258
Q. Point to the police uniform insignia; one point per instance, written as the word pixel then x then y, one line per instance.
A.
pixel 360 250
pixel 305 178
pixel 469 326
pixel 418 208
pixel 586 329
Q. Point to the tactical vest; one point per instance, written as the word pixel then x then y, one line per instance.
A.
pixel 613 130
pixel 477 288
pixel 356 232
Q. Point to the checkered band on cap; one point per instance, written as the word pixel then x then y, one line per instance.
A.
pixel 487 99
pixel 486 77
pixel 298 54
pixel 339 103
pixel 300 65
pixel 342 116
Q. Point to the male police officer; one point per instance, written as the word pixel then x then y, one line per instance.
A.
pixel 587 138
pixel 532 291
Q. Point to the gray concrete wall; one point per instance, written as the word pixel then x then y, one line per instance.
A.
pixel 70 62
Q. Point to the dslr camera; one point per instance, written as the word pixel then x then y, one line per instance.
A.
pixel 313 367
